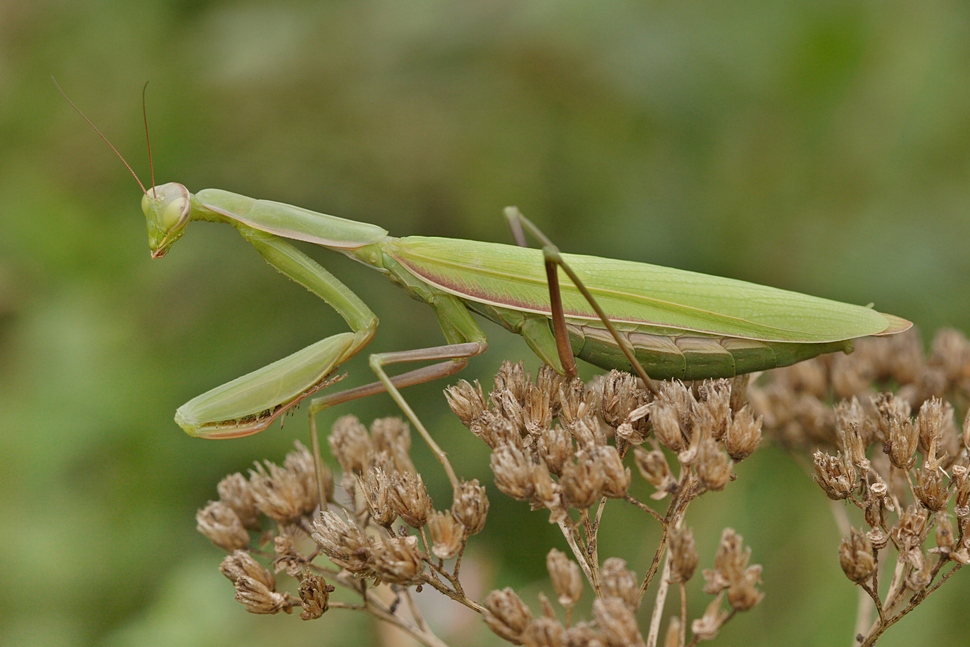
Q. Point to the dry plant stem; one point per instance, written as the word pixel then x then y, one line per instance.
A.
pixel 880 626
pixel 683 613
pixel 425 637
pixel 592 574
pixel 658 605
pixel 643 506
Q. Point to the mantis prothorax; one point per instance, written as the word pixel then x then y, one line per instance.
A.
pixel 659 322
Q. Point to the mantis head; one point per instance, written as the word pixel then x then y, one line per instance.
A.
pixel 167 208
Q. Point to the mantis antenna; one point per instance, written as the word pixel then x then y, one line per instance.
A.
pixel 108 142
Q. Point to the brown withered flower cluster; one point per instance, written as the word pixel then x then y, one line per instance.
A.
pixel 899 459
pixel 563 446
pixel 886 427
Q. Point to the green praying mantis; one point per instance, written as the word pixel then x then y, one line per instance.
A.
pixel 656 321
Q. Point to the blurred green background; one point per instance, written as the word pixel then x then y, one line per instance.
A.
pixel 817 146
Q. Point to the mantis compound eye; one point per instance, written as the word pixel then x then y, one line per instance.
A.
pixel 174 213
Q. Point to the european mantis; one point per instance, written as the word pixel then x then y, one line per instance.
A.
pixel 657 321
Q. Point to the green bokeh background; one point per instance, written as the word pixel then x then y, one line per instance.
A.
pixel 817 146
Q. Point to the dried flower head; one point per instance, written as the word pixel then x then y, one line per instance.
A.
pixel 447 535
pixel 351 445
pixel 683 554
pixel 241 564
pixel 234 492
pixel 619 582
pixel 654 469
pixel 617 622
pixel 221 525
pixel 409 498
pixel 743 435
pixel 567 580
pixel 314 596
pixel 466 401
pixel 343 542
pixel 397 560
pixel 286 493
pixel 507 615
pixel 856 556
pixel 393 436
pixel 470 506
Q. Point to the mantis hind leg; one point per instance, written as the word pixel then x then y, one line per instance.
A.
pixel 518 223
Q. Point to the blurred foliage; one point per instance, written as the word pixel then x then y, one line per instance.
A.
pixel 817 146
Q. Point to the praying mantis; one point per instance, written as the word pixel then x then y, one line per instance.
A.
pixel 658 322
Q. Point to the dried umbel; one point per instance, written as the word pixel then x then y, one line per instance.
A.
pixel 896 463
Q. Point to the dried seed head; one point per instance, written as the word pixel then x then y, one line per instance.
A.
pixel 582 483
pixel 287 557
pixel 258 598
pixel 832 474
pixel 555 447
pixel 587 431
pixel 852 428
pixel 895 429
pixel 505 404
pixel 393 436
pixel 409 498
pixel 619 582
pixel 513 378
pixel 507 615
pixel 466 401
pixel 284 494
pixel 567 580
pixel 577 401
pixel 397 560
pixel 513 472
pixel 908 531
pixel 621 395
pixel 666 426
pixel 546 493
pixel 930 489
pixel 343 542
pixel 857 558
pixel 221 525
pixel 351 445
pixel 583 635
pixel 617 622
pixel 683 554
pixel 713 465
pixel 930 421
pixel 496 430
pixel 715 406
pixel 945 539
pixel 470 506
pixel 543 632
pixel 707 626
pixel 537 410
pixel 743 435
pixel 241 564
pixel 731 572
pixel 447 535
pixel 376 488
pixel 921 576
pixel 961 504
pixel 655 471
pixel 234 492
pixel 314 596
pixel 616 478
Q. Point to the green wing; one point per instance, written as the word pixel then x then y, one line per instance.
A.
pixel 513 277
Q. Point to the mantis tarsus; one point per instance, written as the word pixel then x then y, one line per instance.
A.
pixel 660 322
